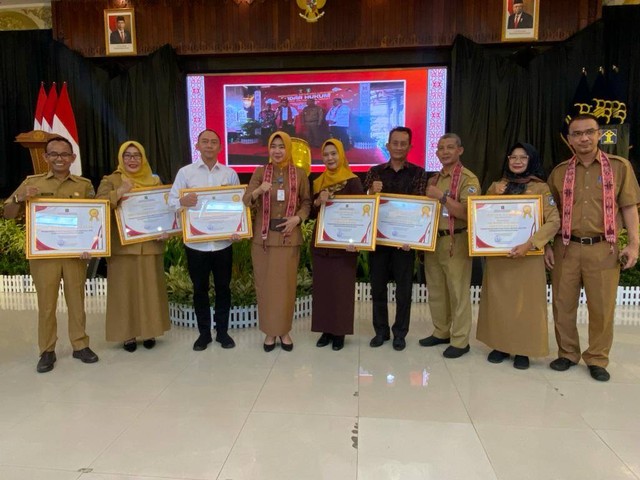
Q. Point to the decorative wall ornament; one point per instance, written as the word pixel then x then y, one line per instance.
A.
pixel 25 17
pixel 311 9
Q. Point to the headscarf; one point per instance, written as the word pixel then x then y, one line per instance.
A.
pixel 143 177
pixel 288 148
pixel 333 177
pixel 517 183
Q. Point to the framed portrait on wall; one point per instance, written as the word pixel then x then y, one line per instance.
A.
pixel 120 31
pixel 520 20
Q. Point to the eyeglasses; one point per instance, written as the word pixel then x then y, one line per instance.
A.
pixel 132 155
pixel 54 155
pixel 589 133
pixel 522 158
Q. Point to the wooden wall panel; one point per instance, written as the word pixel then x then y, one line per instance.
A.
pixel 205 27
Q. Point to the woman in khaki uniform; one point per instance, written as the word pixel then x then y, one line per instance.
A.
pixel 513 307
pixel 137 303
pixel 279 192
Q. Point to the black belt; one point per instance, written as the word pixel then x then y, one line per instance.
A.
pixel 588 240
pixel 445 233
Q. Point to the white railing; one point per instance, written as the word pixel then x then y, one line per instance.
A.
pixel 244 317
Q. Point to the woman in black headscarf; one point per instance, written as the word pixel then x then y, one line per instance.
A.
pixel 513 308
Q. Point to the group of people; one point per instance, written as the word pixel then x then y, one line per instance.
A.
pixel 311 123
pixel 586 201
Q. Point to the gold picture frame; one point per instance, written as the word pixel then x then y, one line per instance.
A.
pixel 215 220
pixel 342 216
pixel 497 223
pixel 66 228
pixel 520 20
pixel 120 41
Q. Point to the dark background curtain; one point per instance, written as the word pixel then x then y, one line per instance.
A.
pixel 143 101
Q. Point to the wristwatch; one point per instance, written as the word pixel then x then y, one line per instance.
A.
pixel 443 199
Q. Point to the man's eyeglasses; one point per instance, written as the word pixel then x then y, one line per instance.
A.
pixel 589 133
pixel 55 155
pixel 522 158
pixel 132 155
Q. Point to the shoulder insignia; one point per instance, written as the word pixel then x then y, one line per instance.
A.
pixel 472 189
pixel 551 200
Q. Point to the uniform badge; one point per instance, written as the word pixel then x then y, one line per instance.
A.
pixel 551 200
pixel 472 189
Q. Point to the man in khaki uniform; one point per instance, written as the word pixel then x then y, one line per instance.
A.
pixel 448 268
pixel 586 253
pixel 312 118
pixel 46 273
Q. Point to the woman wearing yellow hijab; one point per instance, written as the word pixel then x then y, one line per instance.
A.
pixel 279 193
pixel 137 303
pixel 334 270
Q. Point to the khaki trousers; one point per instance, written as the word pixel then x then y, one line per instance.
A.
pixel 448 282
pixel 46 275
pixel 597 268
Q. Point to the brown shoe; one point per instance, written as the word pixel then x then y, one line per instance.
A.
pixel 45 364
pixel 85 355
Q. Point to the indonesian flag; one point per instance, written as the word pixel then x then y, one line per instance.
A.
pixel 42 99
pixel 49 108
pixel 64 124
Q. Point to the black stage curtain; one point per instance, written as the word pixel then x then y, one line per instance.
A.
pixel 509 94
pixel 144 102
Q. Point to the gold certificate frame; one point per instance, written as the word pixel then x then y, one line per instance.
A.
pixel 497 223
pixel 58 228
pixel 348 220
pixel 144 214
pixel 218 215
pixel 407 220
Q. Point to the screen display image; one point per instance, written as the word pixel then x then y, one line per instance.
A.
pixel 358 107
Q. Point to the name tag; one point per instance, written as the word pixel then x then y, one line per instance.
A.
pixel 280 195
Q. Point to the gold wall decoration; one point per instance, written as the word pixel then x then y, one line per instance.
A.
pixel 33 17
pixel 311 9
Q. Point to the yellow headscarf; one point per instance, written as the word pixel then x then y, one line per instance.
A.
pixel 143 177
pixel 333 177
pixel 286 139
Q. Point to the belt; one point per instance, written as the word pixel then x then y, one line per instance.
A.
pixel 588 240
pixel 445 233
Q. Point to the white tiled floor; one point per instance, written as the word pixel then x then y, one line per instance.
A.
pixel 363 413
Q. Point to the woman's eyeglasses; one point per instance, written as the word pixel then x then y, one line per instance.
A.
pixel 522 158
pixel 132 155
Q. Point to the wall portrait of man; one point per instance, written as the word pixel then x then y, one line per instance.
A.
pixel 520 20
pixel 119 32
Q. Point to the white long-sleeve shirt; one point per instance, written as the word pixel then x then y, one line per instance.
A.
pixel 198 175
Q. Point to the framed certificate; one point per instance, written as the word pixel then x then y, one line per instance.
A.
pixel 497 223
pixel 144 214
pixel 60 228
pixel 218 215
pixel 408 220
pixel 348 220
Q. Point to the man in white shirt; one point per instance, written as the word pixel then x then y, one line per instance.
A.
pixel 204 258
pixel 286 117
pixel 338 120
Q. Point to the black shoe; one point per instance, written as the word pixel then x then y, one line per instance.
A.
pixel 269 347
pixel 45 364
pixel 149 343
pixel 521 362
pixel 287 347
pixel 597 373
pixel 86 355
pixel 225 340
pixel 130 345
pixel 455 352
pixel 399 344
pixel 338 342
pixel 561 364
pixel 324 340
pixel 432 341
pixel 378 340
pixel 496 356
pixel 201 343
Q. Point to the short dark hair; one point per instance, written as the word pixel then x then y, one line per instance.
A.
pixel 338 98
pixel 455 136
pixel 58 139
pixel 120 18
pixel 209 130
pixel 583 116
pixel 402 130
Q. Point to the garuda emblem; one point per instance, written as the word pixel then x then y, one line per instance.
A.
pixel 311 9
